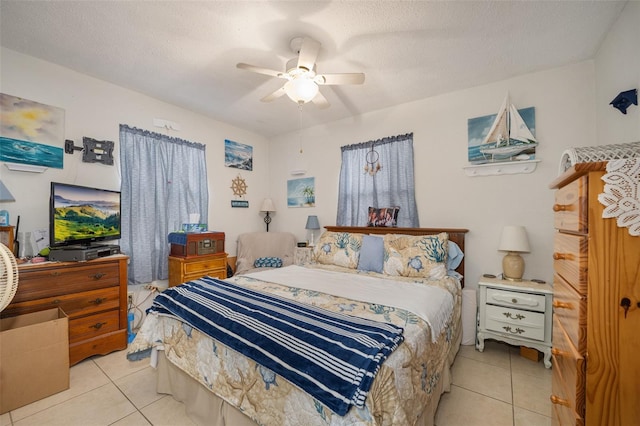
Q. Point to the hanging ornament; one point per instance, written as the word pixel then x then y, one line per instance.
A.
pixel 373 165
pixel 239 186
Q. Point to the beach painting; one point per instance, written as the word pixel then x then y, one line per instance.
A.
pixel 238 155
pixel 30 132
pixel 301 192
pixel 478 128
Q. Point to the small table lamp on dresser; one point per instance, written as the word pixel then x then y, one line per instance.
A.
pixel 312 225
pixel 514 241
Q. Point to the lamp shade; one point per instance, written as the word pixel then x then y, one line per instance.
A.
pixel 312 223
pixel 514 238
pixel 268 206
pixel 301 89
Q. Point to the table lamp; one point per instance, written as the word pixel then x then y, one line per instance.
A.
pixel 514 241
pixel 312 225
pixel 267 207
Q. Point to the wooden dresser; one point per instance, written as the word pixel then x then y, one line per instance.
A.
pixel 183 269
pixel 596 343
pixel 93 294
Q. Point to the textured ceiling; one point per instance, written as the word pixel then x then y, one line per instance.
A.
pixel 185 52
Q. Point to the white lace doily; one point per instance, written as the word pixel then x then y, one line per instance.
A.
pixel 621 196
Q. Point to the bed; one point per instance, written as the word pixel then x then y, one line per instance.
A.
pixel 221 386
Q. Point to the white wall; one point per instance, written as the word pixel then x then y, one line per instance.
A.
pixel 95 109
pixel 618 70
pixel 564 99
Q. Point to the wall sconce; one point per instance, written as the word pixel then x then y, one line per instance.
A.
pixel 267 206
pixel 514 241
pixel 312 225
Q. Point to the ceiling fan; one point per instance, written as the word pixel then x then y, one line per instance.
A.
pixel 303 83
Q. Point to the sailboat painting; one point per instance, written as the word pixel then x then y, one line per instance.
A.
pixel 505 136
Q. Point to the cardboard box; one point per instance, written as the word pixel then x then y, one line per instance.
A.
pixel 34 357
pixel 530 353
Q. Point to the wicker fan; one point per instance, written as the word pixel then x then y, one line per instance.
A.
pixel 8 276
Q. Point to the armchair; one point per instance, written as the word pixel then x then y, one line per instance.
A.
pixel 254 245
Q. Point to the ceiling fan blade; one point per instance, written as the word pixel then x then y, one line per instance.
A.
pixel 320 101
pixel 308 53
pixel 260 70
pixel 344 78
pixel 275 95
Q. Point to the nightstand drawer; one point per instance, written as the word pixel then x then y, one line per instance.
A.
pixel 534 302
pixel 515 322
pixel 205 265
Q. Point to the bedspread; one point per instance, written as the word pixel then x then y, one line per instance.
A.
pixel 400 391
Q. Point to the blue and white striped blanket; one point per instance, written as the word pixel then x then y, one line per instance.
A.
pixel 332 356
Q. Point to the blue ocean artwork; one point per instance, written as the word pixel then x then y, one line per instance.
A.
pixel 301 192
pixel 479 127
pixel 24 152
pixel 238 155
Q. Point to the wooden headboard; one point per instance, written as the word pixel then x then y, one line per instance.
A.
pixel 456 235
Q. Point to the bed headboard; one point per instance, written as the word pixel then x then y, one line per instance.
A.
pixel 456 235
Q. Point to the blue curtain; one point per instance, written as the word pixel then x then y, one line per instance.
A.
pixel 392 185
pixel 164 180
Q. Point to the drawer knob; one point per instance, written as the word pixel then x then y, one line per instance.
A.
pixel 557 352
pixel 55 302
pixel 99 300
pixel 98 275
pixel 97 325
pixel 562 256
pixel 562 305
pixel 514 300
pixel 562 207
pixel 559 401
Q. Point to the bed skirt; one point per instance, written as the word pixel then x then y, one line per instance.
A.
pixel 205 408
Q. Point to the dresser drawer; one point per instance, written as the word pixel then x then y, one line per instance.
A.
pixel 571 212
pixel 51 281
pixel 204 265
pixel 570 365
pixel 534 302
pixel 93 325
pixel 570 308
pixel 515 322
pixel 570 259
pixel 74 305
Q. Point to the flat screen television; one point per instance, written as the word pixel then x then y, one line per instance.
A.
pixel 80 215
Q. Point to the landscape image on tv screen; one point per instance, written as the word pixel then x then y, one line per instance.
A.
pixel 82 214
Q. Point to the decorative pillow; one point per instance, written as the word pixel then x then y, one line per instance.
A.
pixel 267 262
pixel 339 248
pixel 371 254
pixel 387 216
pixel 416 256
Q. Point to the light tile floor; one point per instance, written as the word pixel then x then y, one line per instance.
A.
pixel 496 387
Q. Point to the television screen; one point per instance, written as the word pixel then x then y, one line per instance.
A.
pixel 82 215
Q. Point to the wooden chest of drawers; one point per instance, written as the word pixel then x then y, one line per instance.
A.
pixel 93 294
pixel 596 374
pixel 183 269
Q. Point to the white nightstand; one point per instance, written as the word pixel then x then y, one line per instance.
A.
pixel 303 255
pixel 518 313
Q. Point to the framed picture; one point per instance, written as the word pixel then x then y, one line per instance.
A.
pixel 31 133
pixel 301 192
pixel 238 155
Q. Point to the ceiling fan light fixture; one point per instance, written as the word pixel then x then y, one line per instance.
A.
pixel 301 90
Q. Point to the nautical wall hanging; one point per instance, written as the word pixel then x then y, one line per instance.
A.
pixel 624 100
pixel 239 188
pixel 238 155
pixel 509 144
